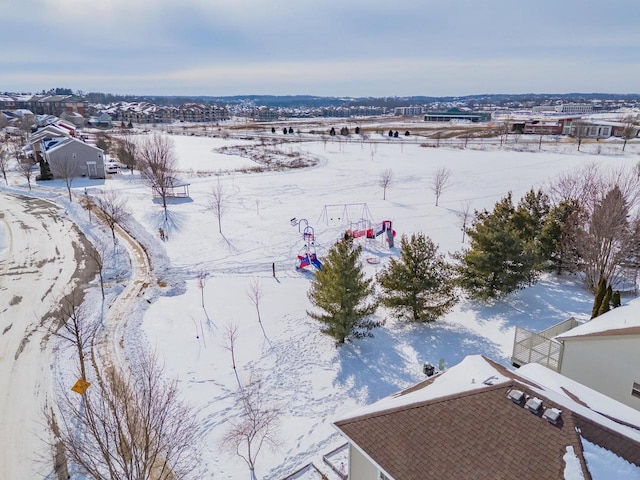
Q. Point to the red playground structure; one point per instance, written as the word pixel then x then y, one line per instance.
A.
pixel 385 227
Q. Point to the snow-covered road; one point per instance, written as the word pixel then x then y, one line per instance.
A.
pixel 40 260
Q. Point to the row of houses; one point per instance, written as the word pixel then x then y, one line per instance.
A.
pixel 149 113
pixel 57 146
pixel 45 104
pixel 578 419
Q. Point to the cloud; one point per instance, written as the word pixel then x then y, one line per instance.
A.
pixel 307 46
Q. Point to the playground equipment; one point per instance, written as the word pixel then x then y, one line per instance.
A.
pixel 308 257
pixel 358 216
pixel 338 214
pixel 384 227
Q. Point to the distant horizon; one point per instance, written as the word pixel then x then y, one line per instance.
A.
pixel 361 48
pixel 303 95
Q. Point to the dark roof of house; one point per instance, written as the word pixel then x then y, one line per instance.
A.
pixel 479 434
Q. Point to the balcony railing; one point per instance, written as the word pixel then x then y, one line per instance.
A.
pixel 541 347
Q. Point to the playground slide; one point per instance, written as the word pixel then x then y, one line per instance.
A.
pixel 380 229
pixel 305 261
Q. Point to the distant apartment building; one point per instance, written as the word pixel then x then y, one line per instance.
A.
pixel 408 111
pixel 52 104
pixel 574 108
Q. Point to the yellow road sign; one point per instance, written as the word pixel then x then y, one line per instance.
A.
pixel 80 386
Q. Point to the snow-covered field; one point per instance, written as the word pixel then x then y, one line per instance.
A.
pixel 303 372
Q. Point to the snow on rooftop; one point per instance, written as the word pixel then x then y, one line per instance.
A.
pixel 623 317
pixel 557 388
pixel 472 373
pixel 572 468
pixel 605 465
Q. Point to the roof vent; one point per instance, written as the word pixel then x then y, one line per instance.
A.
pixel 533 405
pixel 515 396
pixel 552 415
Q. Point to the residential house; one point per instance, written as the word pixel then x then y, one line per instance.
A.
pixel 74 118
pixel 100 121
pixel 73 155
pixel 53 128
pixel 481 420
pixel 602 353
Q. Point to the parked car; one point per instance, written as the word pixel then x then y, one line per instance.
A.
pixel 111 167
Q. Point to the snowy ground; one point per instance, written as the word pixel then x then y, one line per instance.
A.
pixel 303 372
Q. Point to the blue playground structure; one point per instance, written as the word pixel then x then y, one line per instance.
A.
pixel 308 257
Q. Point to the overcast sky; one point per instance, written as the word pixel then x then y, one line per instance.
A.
pixel 321 47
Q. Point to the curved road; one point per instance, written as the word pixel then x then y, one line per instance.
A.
pixel 40 259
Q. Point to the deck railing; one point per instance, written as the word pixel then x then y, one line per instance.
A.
pixel 541 347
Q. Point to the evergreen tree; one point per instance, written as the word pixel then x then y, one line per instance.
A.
pixel 417 286
pixel 343 294
pixel 531 213
pixel 528 220
pixel 558 239
pixel 498 261
pixel 605 306
pixel 600 293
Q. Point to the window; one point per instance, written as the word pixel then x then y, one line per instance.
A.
pixel 73 155
pixel 635 390
pixel 382 476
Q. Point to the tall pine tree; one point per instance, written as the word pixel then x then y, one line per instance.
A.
pixel 417 286
pixel 499 261
pixel 343 294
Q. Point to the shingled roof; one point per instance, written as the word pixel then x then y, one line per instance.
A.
pixel 479 432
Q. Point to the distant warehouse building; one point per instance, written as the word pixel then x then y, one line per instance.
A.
pixel 455 114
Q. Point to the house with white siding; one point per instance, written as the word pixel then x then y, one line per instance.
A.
pixel 83 159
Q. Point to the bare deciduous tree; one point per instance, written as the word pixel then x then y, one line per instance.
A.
pixel 113 210
pixel 629 132
pixel 465 215
pixel 98 254
pixel 255 427
pixel 231 335
pixel 130 427
pixel 202 280
pixel 609 238
pixel 440 181
pixel 157 162
pixel 75 327
pixel 25 168
pixel 579 130
pixel 255 295
pixel 218 203
pixel 87 203
pixel 607 205
pixel 385 180
pixel 4 164
pixel 67 169
pixel 127 149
